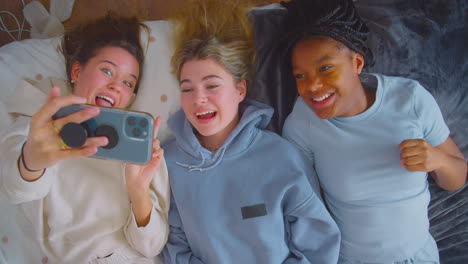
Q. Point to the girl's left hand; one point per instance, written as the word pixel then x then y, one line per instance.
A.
pixel 419 155
pixel 139 177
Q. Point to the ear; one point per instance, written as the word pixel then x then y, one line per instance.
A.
pixel 75 71
pixel 359 62
pixel 242 88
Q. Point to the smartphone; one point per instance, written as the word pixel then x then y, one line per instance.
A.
pixel 130 133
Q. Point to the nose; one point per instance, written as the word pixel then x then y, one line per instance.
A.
pixel 314 84
pixel 116 85
pixel 200 96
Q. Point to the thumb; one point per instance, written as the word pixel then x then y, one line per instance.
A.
pixel 54 92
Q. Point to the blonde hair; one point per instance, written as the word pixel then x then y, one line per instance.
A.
pixel 215 29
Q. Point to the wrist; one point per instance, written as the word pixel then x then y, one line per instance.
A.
pixel 138 195
pixel 26 172
pixel 23 161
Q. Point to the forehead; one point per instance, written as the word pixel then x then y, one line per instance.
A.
pixel 200 68
pixel 117 56
pixel 318 49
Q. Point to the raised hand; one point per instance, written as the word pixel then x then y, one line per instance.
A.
pixel 419 155
pixel 139 177
pixel 44 146
pixel 446 160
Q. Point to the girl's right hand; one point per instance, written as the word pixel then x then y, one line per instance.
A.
pixel 44 146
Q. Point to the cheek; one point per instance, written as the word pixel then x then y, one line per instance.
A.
pixel 301 87
pixel 126 96
pixel 81 90
pixel 185 101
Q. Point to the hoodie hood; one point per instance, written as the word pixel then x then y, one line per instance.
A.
pixel 254 116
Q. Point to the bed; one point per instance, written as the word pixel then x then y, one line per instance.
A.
pixel 423 40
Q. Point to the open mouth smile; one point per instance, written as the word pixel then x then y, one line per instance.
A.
pixel 206 115
pixel 102 100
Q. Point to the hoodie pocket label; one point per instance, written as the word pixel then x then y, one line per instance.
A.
pixel 253 211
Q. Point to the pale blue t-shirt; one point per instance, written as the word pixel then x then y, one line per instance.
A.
pixel 379 206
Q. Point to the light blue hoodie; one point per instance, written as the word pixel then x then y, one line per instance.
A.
pixel 250 202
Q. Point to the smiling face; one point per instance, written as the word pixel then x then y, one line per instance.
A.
pixel 210 99
pixel 107 79
pixel 327 77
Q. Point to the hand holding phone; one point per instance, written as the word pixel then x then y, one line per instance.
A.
pixel 130 133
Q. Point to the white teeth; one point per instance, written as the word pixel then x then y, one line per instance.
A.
pixel 204 113
pixel 110 100
pixel 321 98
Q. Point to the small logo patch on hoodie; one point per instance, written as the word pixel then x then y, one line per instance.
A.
pixel 253 211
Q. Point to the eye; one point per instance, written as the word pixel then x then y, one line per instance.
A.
pixel 212 86
pixel 299 76
pixel 106 71
pixel 129 84
pixel 185 89
pixel 324 68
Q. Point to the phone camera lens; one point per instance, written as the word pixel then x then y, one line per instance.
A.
pixel 143 122
pixel 131 121
pixel 136 132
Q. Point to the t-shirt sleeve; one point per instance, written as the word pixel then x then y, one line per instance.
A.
pixel 434 129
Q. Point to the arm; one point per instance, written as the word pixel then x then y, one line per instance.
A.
pixel 313 236
pixel 177 249
pixel 446 160
pixel 436 151
pixel 12 185
pixel 149 191
pixel 41 149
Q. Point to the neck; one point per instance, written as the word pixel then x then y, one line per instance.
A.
pixel 214 142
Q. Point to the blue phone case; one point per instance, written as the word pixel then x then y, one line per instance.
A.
pixel 133 130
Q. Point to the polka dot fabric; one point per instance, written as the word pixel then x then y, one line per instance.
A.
pixel 39 59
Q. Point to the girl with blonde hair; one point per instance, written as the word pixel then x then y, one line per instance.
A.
pixel 240 194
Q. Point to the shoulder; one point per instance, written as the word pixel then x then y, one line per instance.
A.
pixel 169 147
pixel 273 145
pixel 400 85
pixel 299 119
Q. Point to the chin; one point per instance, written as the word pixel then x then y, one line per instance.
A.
pixel 325 114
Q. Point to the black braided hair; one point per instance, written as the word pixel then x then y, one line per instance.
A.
pixel 337 19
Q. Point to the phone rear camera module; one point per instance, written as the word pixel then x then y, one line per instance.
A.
pixel 136 132
pixel 137 127
pixel 143 123
pixel 131 121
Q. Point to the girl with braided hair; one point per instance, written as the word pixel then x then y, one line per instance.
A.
pixel 240 194
pixel 372 138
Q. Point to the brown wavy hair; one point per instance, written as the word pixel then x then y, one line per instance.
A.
pixel 82 42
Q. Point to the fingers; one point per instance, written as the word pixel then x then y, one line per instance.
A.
pixel 89 148
pixel 156 158
pixel 157 123
pixel 54 103
pixel 413 147
pixel 77 117
pixel 416 155
pixel 54 92
pixel 408 143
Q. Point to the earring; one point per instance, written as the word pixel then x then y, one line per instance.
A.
pixel 72 81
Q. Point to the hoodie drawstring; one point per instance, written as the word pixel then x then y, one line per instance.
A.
pixel 198 167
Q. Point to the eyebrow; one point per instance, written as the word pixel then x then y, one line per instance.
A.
pixel 115 65
pixel 324 58
pixel 203 79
